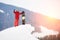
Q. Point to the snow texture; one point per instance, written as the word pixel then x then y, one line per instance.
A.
pixel 22 32
pixel 2 11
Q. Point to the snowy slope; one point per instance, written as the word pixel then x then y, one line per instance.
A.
pixel 7 15
pixel 45 32
pixel 22 32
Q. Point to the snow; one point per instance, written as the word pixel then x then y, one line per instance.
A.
pixel 22 32
pixel 45 32
pixel 2 11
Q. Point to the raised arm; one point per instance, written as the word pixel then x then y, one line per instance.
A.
pixel 22 12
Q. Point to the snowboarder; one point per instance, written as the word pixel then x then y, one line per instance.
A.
pixel 17 13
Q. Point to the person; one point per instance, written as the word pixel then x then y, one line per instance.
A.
pixel 17 13
pixel 23 17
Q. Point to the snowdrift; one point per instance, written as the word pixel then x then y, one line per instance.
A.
pixel 22 32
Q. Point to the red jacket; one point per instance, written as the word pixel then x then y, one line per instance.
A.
pixel 17 13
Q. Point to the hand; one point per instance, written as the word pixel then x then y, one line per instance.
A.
pixel 23 12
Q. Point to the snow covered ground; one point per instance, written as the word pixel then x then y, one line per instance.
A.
pixel 45 32
pixel 23 32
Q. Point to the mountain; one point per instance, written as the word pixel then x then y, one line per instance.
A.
pixel 33 18
pixel 7 17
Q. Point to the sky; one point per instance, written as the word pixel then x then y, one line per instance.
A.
pixel 47 7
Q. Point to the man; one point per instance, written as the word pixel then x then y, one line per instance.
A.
pixel 17 14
